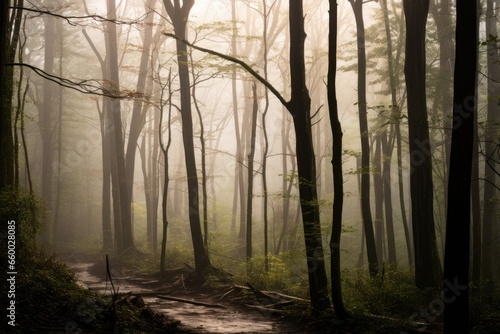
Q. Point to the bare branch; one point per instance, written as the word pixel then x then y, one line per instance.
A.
pixel 89 86
pixel 72 18
pixel 236 61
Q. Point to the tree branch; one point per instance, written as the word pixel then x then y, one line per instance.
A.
pixel 236 61
pixel 90 86
pixel 70 18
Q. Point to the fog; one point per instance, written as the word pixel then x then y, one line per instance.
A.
pixel 64 122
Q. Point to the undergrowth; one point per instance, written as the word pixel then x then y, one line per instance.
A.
pixel 48 298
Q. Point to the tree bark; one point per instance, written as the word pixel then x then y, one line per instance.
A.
pixel 427 265
pixel 251 155
pixel 45 121
pixel 179 15
pixel 299 108
pixel 357 6
pixel 338 182
pixel 491 132
pixel 117 151
pixel 457 249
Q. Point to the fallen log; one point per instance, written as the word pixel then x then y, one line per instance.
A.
pixel 182 300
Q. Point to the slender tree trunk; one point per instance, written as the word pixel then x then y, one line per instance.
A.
pixel 165 150
pixel 379 199
pixel 6 86
pixel 179 17
pixel 491 132
pixel 427 265
pixel 46 128
pixel 117 150
pixel 138 112
pixel 476 197
pixel 357 6
pixel 238 178
pixel 457 249
pixel 251 155
pixel 387 184
pixel 299 107
pixel 107 234
pixel 266 142
pixel 204 177
pixel 338 182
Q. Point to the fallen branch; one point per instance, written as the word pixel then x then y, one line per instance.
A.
pixel 270 294
pixel 266 310
pixel 182 300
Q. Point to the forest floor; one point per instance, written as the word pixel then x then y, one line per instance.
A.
pixel 221 306
pixel 210 308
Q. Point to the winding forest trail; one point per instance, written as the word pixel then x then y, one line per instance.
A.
pixel 220 316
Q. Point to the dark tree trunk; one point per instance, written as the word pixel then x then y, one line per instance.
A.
pixel 165 150
pixel 427 265
pixel 491 131
pixel 266 141
pixel 179 17
pixel 387 150
pixel 7 52
pixel 118 148
pixel 378 188
pixel 386 179
pixel 107 234
pixel 338 182
pixel 357 6
pixel 457 249
pixel 238 168
pixel 251 155
pixel 46 124
pixel 299 108
pixel 476 199
pixel 138 112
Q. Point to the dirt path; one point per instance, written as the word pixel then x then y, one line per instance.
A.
pixel 229 318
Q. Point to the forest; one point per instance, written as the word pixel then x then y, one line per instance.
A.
pixel 250 166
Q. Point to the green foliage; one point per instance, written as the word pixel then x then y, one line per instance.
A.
pixel 393 295
pixel 273 279
pixel 26 210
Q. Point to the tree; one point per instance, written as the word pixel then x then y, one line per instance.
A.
pixel 490 192
pixel 251 156
pixel 179 15
pixel 457 249
pixel 299 108
pixel 338 182
pixel 9 38
pixel 357 7
pixel 46 125
pixel 427 264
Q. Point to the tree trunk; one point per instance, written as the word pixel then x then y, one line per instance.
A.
pixel 6 86
pixel 387 184
pixel 378 188
pixel 490 148
pixel 357 6
pixel 266 141
pixel 179 17
pixel 427 265
pixel 45 121
pixel 338 182
pixel 457 249
pixel 165 150
pixel 299 108
pixel 117 151
pixel 251 155
pixel 138 112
